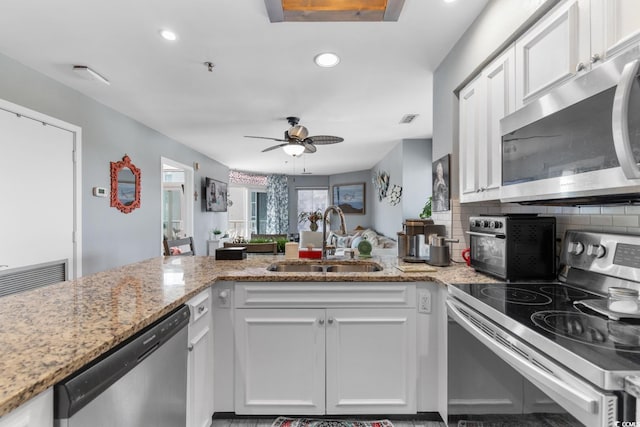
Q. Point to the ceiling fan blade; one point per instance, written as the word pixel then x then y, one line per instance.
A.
pixel 308 146
pixel 274 147
pixel 325 139
pixel 266 137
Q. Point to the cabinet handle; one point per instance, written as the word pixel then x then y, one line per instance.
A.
pixel 330 321
pixel 223 294
pixel 190 347
pixel 201 309
pixel 321 321
pixel 595 58
pixel 580 67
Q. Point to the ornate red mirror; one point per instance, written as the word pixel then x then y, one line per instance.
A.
pixel 125 185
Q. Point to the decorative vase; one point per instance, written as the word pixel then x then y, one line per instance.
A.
pixel 313 226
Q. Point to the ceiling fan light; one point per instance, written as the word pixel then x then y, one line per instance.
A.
pixel 294 150
pixel 326 60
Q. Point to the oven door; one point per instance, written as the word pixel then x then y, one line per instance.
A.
pixel 488 253
pixel 581 140
pixel 589 405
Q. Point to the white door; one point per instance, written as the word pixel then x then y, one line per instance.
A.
pixel 371 361
pixel 37 188
pixel 620 23
pixel 200 391
pixel 280 361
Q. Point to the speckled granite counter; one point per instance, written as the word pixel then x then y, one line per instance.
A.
pixel 48 333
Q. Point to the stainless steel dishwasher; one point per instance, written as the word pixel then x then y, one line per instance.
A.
pixel 142 382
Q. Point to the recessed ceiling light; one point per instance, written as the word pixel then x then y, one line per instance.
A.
pixel 449 1
pixel 168 35
pixel 326 59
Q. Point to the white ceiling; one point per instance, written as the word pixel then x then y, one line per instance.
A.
pixel 263 72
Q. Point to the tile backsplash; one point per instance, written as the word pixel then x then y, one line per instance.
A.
pixel 615 219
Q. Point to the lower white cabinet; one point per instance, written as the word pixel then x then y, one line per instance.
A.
pixel 37 412
pixel 200 362
pixel 303 354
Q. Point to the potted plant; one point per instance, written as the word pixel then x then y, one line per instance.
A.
pixel 313 217
pixel 215 234
pixel 426 210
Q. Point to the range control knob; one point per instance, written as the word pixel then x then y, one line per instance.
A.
pixel 576 248
pixel 492 224
pixel 485 223
pixel 597 251
pixel 498 224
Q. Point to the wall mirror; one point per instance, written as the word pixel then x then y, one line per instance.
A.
pixel 125 185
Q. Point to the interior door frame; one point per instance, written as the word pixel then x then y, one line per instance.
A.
pixel 74 270
pixel 188 192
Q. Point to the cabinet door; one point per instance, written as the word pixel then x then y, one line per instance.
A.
pixel 371 361
pixel 471 121
pixel 200 362
pixel 618 22
pixel 200 378
pixel 280 361
pixel 37 412
pixel 500 99
pixel 549 53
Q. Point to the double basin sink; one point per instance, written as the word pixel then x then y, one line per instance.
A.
pixel 329 266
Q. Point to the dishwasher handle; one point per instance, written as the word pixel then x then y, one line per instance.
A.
pixel 79 389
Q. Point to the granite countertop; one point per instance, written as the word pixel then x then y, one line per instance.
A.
pixel 48 333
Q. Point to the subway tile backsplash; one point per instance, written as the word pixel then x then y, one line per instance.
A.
pixel 614 219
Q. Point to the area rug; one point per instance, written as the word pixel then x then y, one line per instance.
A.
pixel 312 422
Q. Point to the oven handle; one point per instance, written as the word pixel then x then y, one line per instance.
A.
pixel 619 121
pixel 495 236
pixel 586 403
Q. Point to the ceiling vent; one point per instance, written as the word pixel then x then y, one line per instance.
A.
pixel 333 10
pixel 408 118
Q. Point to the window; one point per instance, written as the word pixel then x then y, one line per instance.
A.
pixel 309 200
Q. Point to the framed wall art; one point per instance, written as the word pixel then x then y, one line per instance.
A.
pixel 351 198
pixel 440 180
pixel 215 195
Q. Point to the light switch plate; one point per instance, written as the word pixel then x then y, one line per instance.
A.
pixel 99 191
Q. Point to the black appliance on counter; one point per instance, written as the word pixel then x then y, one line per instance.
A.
pixel 513 246
pixel 561 335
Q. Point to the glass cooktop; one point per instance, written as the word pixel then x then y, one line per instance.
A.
pixel 548 309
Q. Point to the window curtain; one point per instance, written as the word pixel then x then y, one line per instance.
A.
pixel 277 204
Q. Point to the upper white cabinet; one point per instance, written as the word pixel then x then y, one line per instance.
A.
pixel 553 50
pixel 574 37
pixel 483 102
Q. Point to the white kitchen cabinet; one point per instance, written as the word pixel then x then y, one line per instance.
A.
pixel 483 103
pixel 200 362
pixel 572 38
pixel 371 361
pixel 37 412
pixel 281 356
pixel 553 50
pixel 330 348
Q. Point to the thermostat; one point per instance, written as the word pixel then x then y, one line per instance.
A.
pixel 99 191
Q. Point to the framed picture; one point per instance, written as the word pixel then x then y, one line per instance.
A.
pixel 351 198
pixel 440 179
pixel 215 195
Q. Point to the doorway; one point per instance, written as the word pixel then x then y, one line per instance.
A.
pixel 177 209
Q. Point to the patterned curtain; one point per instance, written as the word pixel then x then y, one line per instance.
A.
pixel 277 204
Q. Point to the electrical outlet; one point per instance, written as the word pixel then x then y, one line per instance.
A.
pixel 424 301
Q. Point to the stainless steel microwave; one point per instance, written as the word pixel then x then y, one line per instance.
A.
pixel 579 143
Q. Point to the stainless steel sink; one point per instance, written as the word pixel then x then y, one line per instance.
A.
pixel 354 268
pixel 325 267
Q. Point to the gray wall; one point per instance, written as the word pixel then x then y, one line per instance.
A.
pixel 408 165
pixel 354 220
pixel 499 21
pixel 109 237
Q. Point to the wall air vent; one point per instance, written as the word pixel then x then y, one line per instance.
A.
pixel 408 118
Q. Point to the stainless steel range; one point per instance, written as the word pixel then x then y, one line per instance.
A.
pixel 561 335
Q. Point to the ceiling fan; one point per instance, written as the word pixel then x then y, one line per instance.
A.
pixel 296 140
